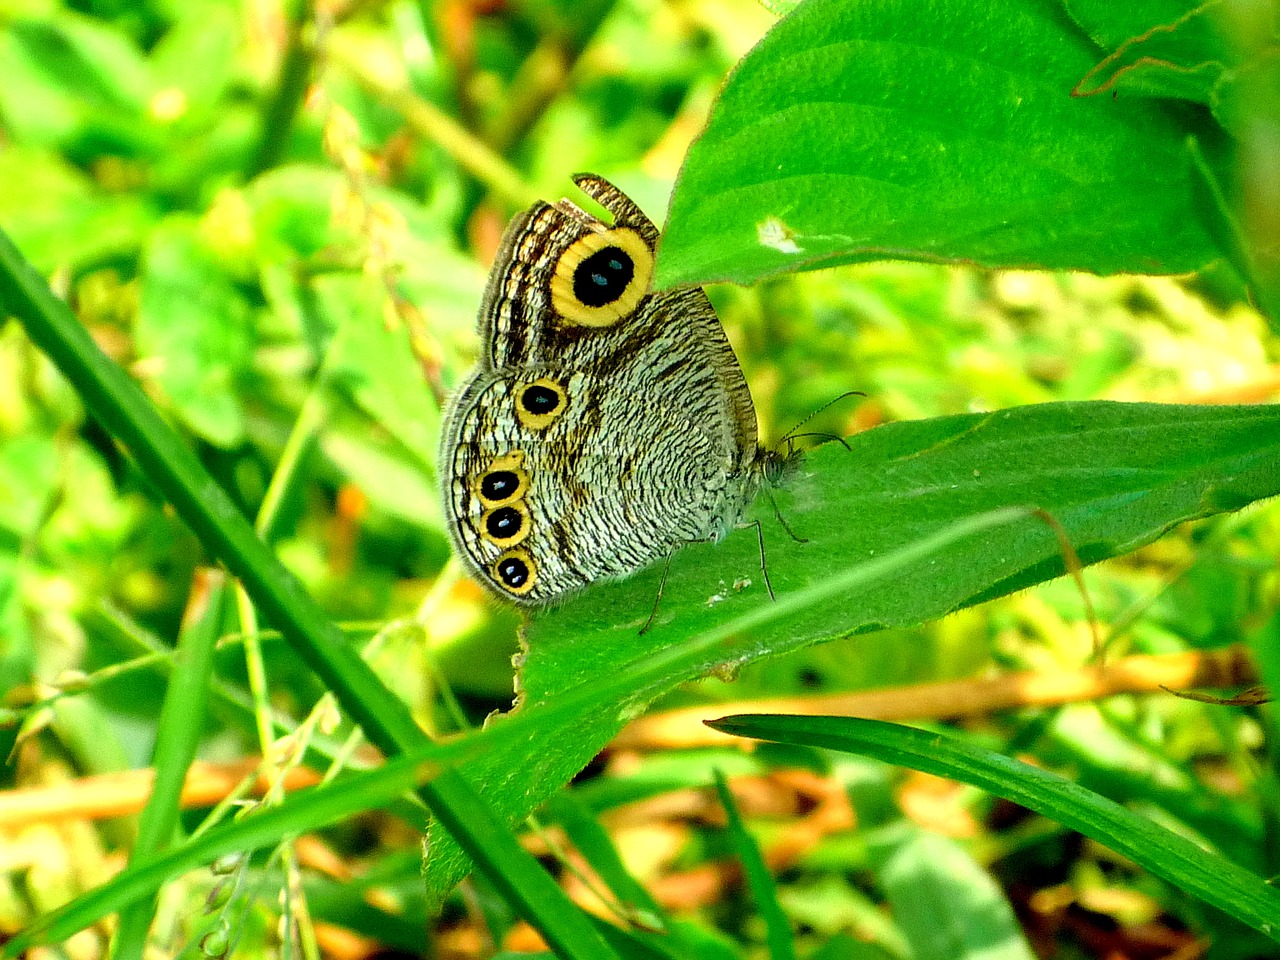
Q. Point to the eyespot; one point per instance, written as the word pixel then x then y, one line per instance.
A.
pixel 515 571
pixel 541 399
pixel 601 278
pixel 503 481
pixel 540 403
pixel 507 525
pixel 499 485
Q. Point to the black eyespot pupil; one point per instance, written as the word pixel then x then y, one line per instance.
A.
pixel 499 485
pixel 540 400
pixel 504 522
pixel 603 277
pixel 514 572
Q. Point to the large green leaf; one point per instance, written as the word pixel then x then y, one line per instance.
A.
pixel 1114 475
pixel 862 130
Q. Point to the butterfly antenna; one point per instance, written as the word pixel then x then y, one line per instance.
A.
pixel 828 436
pixel 792 434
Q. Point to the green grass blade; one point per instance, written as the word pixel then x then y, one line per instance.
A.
pixel 178 731
pixel 306 810
pixel 1199 872
pixel 515 872
pixel 777 927
pixel 592 841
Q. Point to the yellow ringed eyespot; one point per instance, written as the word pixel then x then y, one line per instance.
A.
pixel 601 277
pixel 515 571
pixel 507 525
pixel 503 481
pixel 540 403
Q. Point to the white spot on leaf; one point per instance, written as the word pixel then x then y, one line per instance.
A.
pixel 776 234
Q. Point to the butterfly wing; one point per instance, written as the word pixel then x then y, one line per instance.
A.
pixel 605 424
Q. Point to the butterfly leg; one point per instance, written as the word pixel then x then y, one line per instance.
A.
pixel 785 526
pixel 662 585
pixel 764 566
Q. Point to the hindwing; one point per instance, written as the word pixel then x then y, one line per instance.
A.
pixel 605 424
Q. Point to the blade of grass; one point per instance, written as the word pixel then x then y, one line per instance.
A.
pixel 592 841
pixel 514 872
pixel 230 704
pixel 1220 218
pixel 306 810
pixel 178 729
pixel 281 109
pixel 1165 854
pixel 425 118
pixel 777 926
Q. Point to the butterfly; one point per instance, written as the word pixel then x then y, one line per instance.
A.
pixel 605 424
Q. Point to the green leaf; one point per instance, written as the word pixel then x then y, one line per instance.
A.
pixel 292 208
pixel 193 328
pixel 946 905
pixel 1110 25
pixel 858 131
pixel 72 81
pixel 371 358
pixel 1247 103
pixel 17 648
pixel 1184 59
pixel 58 216
pixel 1115 476
pixel 197 57
pixel 1265 643
pixel 28 478
pixel 1176 859
pixel 392 479
pixel 844 947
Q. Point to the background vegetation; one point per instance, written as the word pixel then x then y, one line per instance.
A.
pixel 277 219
